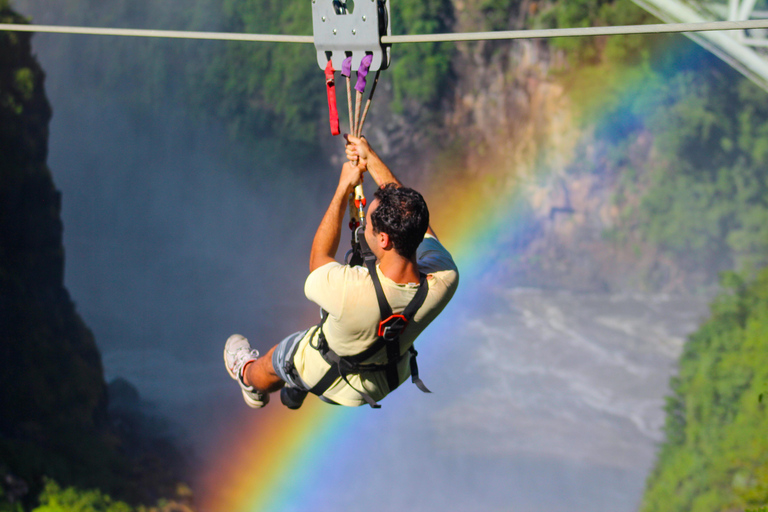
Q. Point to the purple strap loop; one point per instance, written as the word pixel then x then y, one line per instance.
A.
pixel 346 67
pixel 362 72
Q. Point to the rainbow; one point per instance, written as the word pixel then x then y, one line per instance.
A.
pixel 284 462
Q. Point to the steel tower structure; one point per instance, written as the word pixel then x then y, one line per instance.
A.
pixel 745 50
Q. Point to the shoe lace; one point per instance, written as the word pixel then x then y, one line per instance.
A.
pixel 242 356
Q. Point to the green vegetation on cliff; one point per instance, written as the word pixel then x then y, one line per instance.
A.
pixel 715 457
pixel 699 190
pixel 707 198
pixel 54 498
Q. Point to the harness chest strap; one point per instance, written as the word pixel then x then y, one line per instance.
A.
pixel 392 326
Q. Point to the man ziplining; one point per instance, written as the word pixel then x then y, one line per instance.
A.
pixel 372 314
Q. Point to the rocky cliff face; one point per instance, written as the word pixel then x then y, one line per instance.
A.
pixel 522 127
pixel 48 358
pixel 54 420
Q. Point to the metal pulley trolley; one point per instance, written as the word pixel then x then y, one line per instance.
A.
pixel 347 37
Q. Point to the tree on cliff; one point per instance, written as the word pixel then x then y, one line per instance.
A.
pixel 715 456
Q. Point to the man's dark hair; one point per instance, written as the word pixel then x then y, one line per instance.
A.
pixel 403 215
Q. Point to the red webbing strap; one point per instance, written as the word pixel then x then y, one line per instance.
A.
pixel 331 86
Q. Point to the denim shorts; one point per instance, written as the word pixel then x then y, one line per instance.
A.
pixel 282 360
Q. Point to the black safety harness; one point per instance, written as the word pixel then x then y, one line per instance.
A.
pixel 391 327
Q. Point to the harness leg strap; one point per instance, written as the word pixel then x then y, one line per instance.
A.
pixel 415 372
pixel 335 371
pixel 328 379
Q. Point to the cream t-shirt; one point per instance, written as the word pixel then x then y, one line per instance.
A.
pixel 348 295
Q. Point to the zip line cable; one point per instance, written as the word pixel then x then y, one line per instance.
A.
pixel 172 34
pixel 660 28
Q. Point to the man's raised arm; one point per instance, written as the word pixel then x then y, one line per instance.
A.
pixel 328 234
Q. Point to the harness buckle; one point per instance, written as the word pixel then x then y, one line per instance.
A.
pixel 391 328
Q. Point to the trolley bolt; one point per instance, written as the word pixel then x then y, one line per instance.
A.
pixel 354 32
pixel 334 31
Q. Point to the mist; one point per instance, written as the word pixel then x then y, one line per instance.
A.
pixel 173 239
pixel 177 237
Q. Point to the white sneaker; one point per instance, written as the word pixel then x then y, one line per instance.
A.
pixel 237 352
